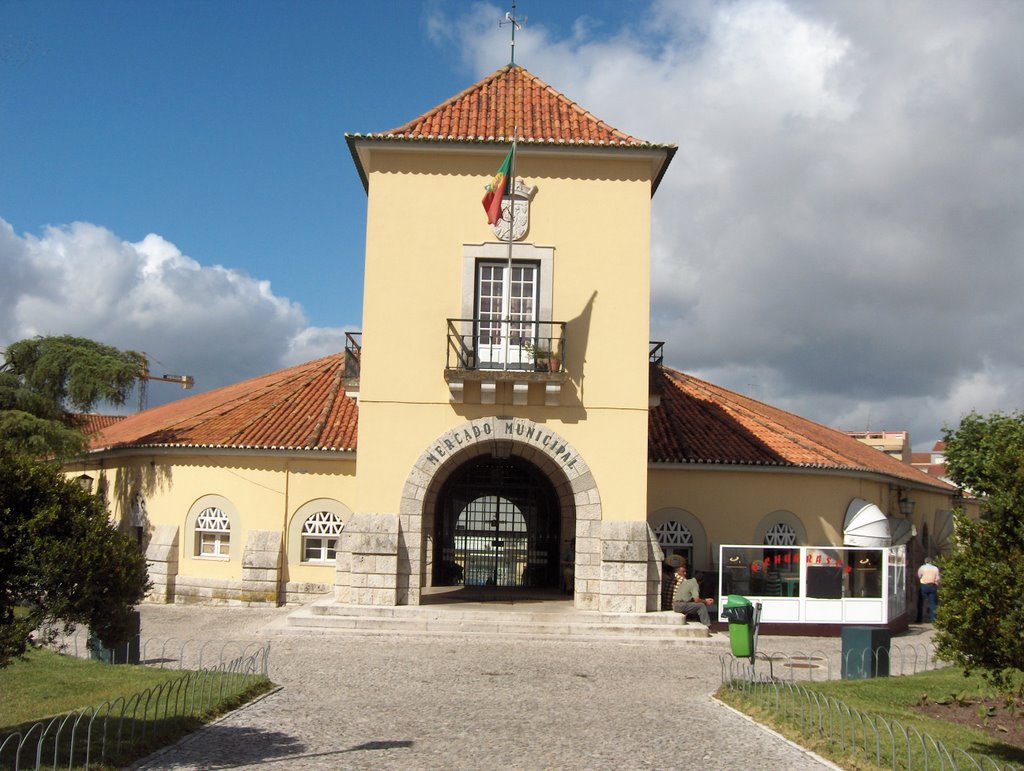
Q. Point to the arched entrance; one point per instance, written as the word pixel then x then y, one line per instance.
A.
pixel 498 523
pixel 500 438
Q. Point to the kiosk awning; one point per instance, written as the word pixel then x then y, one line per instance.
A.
pixel 866 525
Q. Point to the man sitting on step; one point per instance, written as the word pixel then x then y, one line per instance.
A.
pixel 686 598
pixel 669 579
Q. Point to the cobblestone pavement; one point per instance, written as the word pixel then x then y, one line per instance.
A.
pixel 357 701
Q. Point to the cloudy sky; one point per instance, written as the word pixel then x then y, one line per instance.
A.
pixel 840 234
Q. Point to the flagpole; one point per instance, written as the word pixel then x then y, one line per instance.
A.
pixel 510 18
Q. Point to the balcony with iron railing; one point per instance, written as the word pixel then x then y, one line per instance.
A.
pixel 489 352
pixel 494 345
pixel 518 352
pixel 353 363
pixel 657 353
pixel 656 357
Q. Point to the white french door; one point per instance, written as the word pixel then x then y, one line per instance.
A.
pixel 507 308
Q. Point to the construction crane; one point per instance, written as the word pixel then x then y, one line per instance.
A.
pixel 186 381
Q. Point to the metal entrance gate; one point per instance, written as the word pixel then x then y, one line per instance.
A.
pixel 498 525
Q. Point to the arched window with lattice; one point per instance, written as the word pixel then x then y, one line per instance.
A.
pixel 781 565
pixel 320 534
pixel 213 533
pixel 675 538
pixel 780 534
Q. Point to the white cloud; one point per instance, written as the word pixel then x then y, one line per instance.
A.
pixel 314 342
pixel 216 324
pixel 841 227
pixel 841 232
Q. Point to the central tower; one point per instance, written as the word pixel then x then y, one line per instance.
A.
pixel 503 374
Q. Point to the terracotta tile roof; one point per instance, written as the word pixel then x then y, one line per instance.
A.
pixel 92 423
pixel 490 109
pixel 698 422
pixel 485 114
pixel 303 407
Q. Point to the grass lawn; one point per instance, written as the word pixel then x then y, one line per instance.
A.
pixel 954 710
pixel 46 684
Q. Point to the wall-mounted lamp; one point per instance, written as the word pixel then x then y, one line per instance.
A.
pixel 85 482
pixel 906 503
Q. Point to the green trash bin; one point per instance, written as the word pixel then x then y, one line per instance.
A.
pixel 739 612
pixel 865 652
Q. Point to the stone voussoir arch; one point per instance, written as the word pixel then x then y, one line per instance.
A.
pixel 499 437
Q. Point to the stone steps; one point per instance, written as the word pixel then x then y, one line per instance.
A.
pixel 538 620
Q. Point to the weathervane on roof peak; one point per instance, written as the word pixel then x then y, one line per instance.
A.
pixel 510 18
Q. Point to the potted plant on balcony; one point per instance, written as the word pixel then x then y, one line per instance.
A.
pixel 543 359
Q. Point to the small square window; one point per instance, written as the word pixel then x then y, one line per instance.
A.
pixel 319 549
pixel 312 549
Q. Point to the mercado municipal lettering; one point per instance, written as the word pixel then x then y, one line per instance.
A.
pixel 504 428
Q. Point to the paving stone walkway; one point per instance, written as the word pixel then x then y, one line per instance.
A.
pixel 369 701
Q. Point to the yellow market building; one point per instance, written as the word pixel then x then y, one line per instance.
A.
pixel 502 420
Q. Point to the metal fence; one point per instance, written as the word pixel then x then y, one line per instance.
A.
pixel 169 653
pixel 114 729
pixel 885 743
pixel 816 665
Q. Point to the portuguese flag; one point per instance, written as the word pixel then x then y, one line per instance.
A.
pixel 497 188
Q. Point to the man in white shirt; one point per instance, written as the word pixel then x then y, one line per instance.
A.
pixel 929 575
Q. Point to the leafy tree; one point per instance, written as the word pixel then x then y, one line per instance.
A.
pixel 985 455
pixel 45 380
pixel 981 616
pixel 61 560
